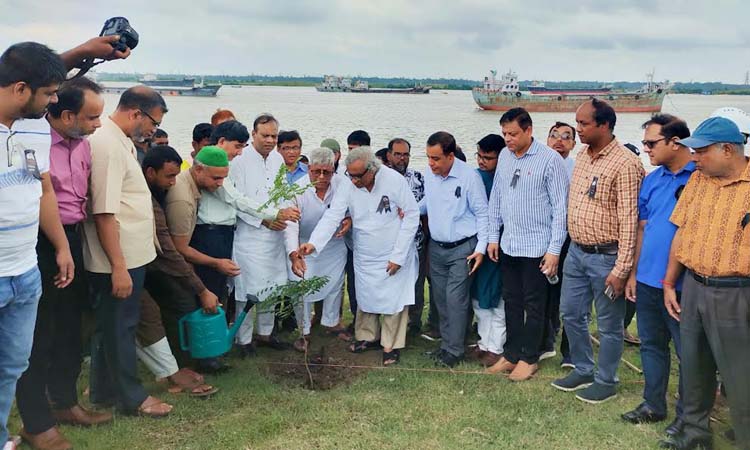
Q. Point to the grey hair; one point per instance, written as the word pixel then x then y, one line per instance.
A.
pixel 365 154
pixel 323 156
pixel 738 148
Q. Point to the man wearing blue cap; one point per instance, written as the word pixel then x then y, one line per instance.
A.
pixel 713 243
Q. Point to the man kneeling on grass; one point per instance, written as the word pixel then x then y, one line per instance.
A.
pixel 385 255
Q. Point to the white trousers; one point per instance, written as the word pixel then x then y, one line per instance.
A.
pixel 491 327
pixel 265 323
pixel 158 358
pixel 331 309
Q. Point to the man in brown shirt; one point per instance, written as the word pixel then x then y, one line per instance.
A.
pixel 713 244
pixel 602 223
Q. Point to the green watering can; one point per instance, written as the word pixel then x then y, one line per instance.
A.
pixel 206 335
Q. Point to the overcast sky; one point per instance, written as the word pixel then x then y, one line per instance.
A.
pixel 607 40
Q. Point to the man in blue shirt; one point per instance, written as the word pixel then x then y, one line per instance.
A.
pixel 528 200
pixel 456 205
pixel 657 198
pixel 290 147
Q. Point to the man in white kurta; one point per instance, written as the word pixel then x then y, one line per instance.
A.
pixel 258 244
pixel 385 257
pixel 331 261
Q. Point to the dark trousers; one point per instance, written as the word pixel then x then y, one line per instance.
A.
pixel 215 241
pixel 630 310
pixel 114 375
pixel 552 312
pixel 525 291
pixel 415 311
pixel 450 280
pixel 351 288
pixel 175 300
pixel 656 328
pixel 55 361
pixel 715 334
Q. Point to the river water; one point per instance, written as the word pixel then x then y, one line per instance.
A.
pixel 319 115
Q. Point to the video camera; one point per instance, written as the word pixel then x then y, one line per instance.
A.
pixel 121 27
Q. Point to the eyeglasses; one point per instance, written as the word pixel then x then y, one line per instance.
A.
pixel 290 148
pixel 562 136
pixel 319 172
pixel 156 124
pixel 484 157
pixel 650 144
pixel 357 176
pixel 400 155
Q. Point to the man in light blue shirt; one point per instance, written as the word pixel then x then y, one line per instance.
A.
pixel 456 205
pixel 528 200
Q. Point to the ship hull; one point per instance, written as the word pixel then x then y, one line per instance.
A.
pixel 377 90
pixel 206 91
pixel 621 102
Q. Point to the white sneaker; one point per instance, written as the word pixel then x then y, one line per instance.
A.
pixel 547 355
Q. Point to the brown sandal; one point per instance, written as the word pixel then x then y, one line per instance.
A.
pixel 154 408
pixel 185 380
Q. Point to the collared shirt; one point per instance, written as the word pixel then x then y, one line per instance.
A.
pixel 254 177
pixel 713 218
pixel 528 201
pixel 168 259
pixel 181 206
pixel 570 164
pixel 298 172
pixel 20 192
pixel 603 201
pixel 656 201
pixel 416 182
pixel 456 205
pixel 118 187
pixel 70 167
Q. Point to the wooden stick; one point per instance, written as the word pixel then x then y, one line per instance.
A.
pixel 627 363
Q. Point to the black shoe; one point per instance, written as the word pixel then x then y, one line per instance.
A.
pixel 682 442
pixel 573 382
pixel 246 350
pixel 434 354
pixel 643 414
pixel 674 427
pixel 414 331
pixel 273 342
pixel 448 360
pixel 597 393
pixel 211 366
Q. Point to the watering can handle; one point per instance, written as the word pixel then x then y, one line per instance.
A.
pixel 182 328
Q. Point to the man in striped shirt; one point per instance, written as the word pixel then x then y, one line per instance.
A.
pixel 602 222
pixel 528 200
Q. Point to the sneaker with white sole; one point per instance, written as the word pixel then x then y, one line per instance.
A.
pixel 573 382
pixel 597 393
pixel 567 363
pixel 547 355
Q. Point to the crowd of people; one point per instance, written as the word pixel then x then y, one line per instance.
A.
pixel 101 214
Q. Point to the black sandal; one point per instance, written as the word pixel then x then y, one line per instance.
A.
pixel 363 346
pixel 392 357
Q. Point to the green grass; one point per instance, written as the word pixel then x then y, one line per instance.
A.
pixel 413 406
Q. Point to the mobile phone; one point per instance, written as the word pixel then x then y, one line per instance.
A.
pixel 609 292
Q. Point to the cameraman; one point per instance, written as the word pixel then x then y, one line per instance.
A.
pixel 30 75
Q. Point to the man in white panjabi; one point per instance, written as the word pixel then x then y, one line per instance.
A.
pixel 323 184
pixel 385 256
pixel 258 244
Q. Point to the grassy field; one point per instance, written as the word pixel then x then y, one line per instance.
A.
pixel 263 404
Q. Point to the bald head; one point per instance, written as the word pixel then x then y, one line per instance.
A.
pixel 142 98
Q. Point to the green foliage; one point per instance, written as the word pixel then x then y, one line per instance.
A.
pixel 290 294
pixel 282 190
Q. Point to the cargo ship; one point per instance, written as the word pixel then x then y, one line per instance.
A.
pixel 185 87
pixel 333 83
pixel 506 94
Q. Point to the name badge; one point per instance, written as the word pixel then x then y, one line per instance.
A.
pixel 31 166
pixel 592 188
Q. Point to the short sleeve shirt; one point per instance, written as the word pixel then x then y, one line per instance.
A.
pixel 118 187
pixel 20 193
pixel 182 205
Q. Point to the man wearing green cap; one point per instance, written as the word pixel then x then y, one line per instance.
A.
pixel 333 144
pixel 713 243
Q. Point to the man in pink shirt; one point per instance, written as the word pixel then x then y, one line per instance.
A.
pixel 46 393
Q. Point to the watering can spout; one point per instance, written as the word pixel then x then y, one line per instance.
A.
pixel 250 301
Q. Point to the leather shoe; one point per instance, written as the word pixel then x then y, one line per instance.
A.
pixel 272 342
pixel 449 360
pixel 523 371
pixel 502 365
pixel 211 366
pixel 642 414
pixel 51 439
pixel 490 359
pixel 682 442
pixel 78 415
pixel 674 427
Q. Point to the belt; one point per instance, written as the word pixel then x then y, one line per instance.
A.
pixel 602 249
pixel 448 245
pixel 73 227
pixel 210 226
pixel 735 282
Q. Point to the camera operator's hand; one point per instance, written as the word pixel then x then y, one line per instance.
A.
pixel 99 47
